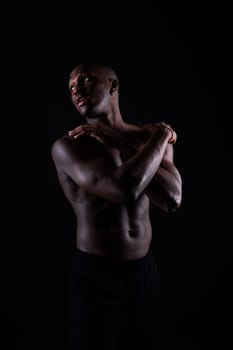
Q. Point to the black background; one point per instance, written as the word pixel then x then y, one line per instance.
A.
pixel 172 67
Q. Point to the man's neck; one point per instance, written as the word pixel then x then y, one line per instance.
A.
pixel 115 122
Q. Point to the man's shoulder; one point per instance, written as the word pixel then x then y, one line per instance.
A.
pixel 61 140
pixel 66 144
pixel 141 128
pixel 144 125
pixel 137 134
pixel 146 129
pixel 62 145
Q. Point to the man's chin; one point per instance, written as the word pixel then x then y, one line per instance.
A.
pixel 84 112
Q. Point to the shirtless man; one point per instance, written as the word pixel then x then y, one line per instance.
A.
pixel 110 172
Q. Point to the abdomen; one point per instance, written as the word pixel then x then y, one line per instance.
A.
pixel 107 229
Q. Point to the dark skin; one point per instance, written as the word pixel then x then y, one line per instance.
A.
pixel 110 170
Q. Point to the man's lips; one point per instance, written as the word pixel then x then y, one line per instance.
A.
pixel 81 101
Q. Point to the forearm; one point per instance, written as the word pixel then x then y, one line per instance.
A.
pixel 137 172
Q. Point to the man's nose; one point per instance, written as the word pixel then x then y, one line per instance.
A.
pixel 78 89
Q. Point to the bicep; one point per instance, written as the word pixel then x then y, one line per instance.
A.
pixel 165 188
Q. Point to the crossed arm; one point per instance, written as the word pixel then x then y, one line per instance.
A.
pixel 149 170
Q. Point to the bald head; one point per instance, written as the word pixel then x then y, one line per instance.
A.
pixel 94 90
pixel 105 70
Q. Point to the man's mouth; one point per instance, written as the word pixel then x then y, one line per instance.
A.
pixel 81 101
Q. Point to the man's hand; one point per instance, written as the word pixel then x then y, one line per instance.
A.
pixel 100 132
pixel 154 128
pixel 108 136
pixel 173 135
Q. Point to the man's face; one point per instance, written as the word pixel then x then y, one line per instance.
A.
pixel 89 89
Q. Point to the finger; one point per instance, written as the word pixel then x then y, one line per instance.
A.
pixel 80 133
pixel 77 135
pixel 174 138
pixel 100 139
pixel 74 131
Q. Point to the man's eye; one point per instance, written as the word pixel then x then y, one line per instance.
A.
pixel 86 79
pixel 72 88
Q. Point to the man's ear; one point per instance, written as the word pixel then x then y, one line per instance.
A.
pixel 113 85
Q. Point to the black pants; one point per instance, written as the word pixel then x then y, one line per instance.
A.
pixel 113 305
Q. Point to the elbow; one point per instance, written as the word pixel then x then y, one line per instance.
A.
pixel 175 199
pixel 170 208
pixel 173 208
pixel 174 204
